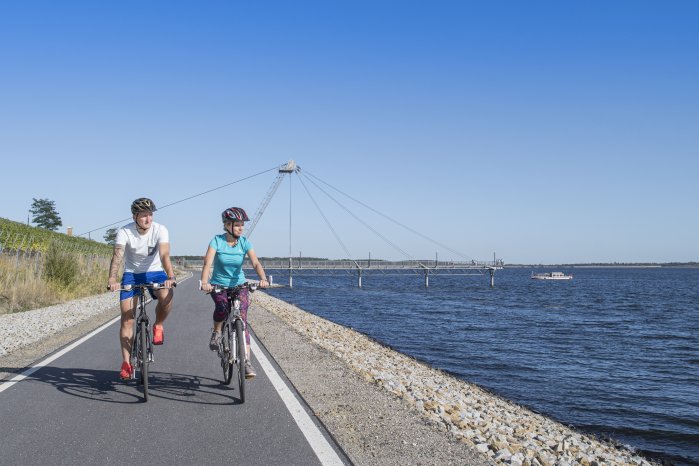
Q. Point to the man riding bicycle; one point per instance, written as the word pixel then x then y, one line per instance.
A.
pixel 227 253
pixel 144 245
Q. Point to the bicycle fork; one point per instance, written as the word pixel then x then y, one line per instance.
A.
pixel 233 353
pixel 137 358
pixel 236 317
pixel 149 345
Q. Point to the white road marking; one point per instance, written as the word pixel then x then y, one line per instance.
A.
pixel 326 454
pixel 18 378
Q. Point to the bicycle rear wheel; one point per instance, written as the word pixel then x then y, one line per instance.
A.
pixel 240 339
pixel 225 353
pixel 144 359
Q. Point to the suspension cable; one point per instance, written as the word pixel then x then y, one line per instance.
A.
pixel 453 251
pixel 389 242
pixel 337 237
pixel 185 199
pixel 290 205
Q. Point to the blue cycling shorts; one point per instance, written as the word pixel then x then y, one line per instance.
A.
pixel 131 278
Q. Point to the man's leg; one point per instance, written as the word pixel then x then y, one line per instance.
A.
pixel 126 329
pixel 126 334
pixel 162 309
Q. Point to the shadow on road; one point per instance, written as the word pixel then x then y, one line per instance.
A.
pixel 105 386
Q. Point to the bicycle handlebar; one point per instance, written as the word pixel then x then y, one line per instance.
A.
pixel 218 288
pixel 143 286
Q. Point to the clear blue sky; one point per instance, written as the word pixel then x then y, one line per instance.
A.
pixel 544 131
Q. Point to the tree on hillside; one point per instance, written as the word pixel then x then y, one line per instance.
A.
pixel 110 236
pixel 45 215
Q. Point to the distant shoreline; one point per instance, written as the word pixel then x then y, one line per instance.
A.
pixel 610 265
pixel 605 266
pixel 639 265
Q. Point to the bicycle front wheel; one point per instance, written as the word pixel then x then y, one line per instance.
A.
pixel 240 339
pixel 144 360
pixel 225 353
pixel 136 351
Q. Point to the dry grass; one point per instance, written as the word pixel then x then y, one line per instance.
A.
pixel 24 285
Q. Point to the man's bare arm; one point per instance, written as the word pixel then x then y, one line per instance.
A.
pixel 167 264
pixel 115 266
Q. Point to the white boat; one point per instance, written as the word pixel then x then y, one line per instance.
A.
pixel 551 276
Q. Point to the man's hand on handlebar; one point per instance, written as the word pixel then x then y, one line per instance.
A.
pixel 113 284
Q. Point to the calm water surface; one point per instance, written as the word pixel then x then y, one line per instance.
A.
pixel 614 351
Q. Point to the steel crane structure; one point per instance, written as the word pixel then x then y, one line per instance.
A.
pixel 286 169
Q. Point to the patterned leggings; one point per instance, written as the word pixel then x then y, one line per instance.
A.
pixel 222 308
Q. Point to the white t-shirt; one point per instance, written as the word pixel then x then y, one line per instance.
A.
pixel 142 251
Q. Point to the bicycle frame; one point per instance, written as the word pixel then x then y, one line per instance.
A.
pixel 234 303
pixel 233 348
pixel 138 359
pixel 141 344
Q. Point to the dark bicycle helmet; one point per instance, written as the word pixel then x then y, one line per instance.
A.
pixel 234 213
pixel 142 204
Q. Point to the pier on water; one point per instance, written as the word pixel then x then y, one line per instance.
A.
pixel 297 266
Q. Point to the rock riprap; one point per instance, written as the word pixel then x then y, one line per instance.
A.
pixel 504 431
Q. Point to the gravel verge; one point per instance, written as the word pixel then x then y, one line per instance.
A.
pixel 373 426
pixel 28 336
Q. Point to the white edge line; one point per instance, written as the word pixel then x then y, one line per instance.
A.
pixel 326 454
pixel 18 378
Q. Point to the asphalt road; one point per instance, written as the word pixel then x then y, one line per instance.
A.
pixel 75 410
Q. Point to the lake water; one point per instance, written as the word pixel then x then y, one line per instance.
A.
pixel 614 352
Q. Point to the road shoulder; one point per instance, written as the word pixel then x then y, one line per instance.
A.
pixel 15 362
pixel 372 425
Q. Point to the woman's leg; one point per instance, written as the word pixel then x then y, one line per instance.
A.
pixel 221 309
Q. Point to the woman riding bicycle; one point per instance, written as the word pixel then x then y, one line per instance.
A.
pixel 227 253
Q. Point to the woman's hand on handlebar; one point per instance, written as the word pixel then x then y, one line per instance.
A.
pixel 263 283
pixel 206 287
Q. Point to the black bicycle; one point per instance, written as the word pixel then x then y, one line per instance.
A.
pixel 232 348
pixel 142 346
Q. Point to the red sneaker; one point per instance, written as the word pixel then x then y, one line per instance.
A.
pixel 158 334
pixel 126 371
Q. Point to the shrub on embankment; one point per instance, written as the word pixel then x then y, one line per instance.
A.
pixel 15 236
pixel 39 267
